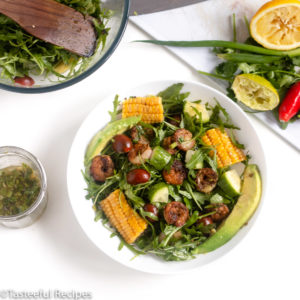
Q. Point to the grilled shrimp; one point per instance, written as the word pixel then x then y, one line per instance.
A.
pixel 176 213
pixel 206 180
pixel 221 212
pixel 205 221
pixel 175 120
pixel 102 167
pixel 139 153
pixel 141 150
pixel 167 141
pixel 184 139
pixel 137 137
pixel 176 174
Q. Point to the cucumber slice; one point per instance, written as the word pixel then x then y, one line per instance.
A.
pixel 160 158
pixel 194 159
pixel 159 193
pixel 216 199
pixel 190 107
pixel 230 183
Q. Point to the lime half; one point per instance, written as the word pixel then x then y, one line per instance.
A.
pixel 255 92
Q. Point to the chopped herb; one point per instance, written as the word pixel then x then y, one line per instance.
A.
pixel 19 188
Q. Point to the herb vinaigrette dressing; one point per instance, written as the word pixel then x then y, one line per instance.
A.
pixel 19 188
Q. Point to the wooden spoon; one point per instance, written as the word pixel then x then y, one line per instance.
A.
pixel 54 23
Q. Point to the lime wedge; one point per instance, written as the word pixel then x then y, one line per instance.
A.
pixel 230 183
pixel 255 92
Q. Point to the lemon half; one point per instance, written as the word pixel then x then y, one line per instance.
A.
pixel 276 25
pixel 255 92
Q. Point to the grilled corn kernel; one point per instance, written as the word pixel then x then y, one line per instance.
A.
pixel 227 153
pixel 150 108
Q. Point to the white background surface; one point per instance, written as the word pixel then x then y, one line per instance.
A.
pixel 54 253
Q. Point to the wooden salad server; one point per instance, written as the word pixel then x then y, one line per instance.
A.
pixel 54 23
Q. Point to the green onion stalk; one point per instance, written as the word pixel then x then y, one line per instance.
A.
pixel 225 44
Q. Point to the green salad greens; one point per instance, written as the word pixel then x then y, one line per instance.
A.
pixel 206 208
pixel 21 54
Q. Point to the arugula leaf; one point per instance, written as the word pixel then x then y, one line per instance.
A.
pixel 138 201
pixel 114 113
pixel 172 91
pixel 195 159
pixel 172 99
pixel 234 140
pixel 174 193
pixel 212 162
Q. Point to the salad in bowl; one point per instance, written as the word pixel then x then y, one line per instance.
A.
pixel 168 176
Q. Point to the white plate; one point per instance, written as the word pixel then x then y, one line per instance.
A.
pixel 84 213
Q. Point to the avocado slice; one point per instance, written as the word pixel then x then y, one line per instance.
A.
pixel 241 213
pixel 103 136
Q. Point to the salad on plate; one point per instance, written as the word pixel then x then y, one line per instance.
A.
pixel 168 177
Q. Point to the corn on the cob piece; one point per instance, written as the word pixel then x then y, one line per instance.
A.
pixel 150 108
pixel 227 153
pixel 121 216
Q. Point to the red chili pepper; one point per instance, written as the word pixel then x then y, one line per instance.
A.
pixel 290 104
pixel 25 80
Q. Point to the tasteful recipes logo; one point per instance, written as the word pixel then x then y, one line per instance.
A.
pixel 45 294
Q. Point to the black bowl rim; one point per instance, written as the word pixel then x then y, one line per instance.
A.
pixel 85 74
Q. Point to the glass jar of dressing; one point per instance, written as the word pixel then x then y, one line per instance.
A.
pixel 23 187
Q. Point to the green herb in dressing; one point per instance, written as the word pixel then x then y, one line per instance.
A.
pixel 19 188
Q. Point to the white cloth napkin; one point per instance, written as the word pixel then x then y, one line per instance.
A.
pixel 204 21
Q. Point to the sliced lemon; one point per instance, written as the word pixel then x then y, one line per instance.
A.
pixel 255 91
pixel 276 25
pixel 62 68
